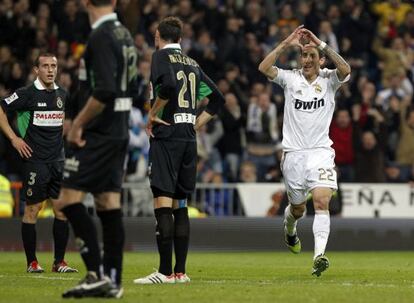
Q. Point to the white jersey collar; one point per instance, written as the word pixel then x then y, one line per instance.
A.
pixel 172 45
pixel 303 76
pixel 104 18
pixel 40 86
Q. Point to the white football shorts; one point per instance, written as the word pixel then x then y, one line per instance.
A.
pixel 306 170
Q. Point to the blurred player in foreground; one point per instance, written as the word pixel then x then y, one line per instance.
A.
pixel 99 141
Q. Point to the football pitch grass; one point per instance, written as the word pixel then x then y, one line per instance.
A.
pixel 231 277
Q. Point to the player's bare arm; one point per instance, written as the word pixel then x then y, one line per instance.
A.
pixel 266 66
pixel 342 67
pixel 153 115
pixel 92 109
pixel 18 143
pixel 202 120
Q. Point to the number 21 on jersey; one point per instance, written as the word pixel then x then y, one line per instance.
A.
pixel 182 102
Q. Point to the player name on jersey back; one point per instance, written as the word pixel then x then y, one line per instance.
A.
pixel 179 58
pixel 48 118
pixel 184 118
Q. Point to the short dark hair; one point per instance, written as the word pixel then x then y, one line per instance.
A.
pixel 101 2
pixel 170 29
pixel 37 61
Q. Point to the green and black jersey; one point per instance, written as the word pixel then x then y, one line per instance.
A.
pixel 108 72
pixel 40 115
pixel 178 78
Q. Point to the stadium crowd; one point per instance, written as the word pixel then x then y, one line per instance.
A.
pixel 373 127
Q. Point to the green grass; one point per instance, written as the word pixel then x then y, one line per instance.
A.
pixel 232 277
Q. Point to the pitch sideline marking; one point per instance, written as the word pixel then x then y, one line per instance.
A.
pixel 270 282
pixel 37 277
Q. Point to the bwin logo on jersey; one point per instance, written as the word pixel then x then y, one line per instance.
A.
pixel 309 106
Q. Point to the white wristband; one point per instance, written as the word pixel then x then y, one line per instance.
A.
pixel 322 46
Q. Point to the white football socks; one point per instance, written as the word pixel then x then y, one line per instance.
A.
pixel 290 221
pixel 321 229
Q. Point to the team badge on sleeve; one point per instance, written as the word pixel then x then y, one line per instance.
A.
pixel 59 102
pixel 11 98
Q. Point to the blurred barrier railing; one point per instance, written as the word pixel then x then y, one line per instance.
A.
pixel 364 200
pixel 209 199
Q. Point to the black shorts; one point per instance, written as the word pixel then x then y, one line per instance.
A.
pixel 42 181
pixel 97 167
pixel 172 168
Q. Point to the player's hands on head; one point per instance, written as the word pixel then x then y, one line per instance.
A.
pixel 23 149
pixel 294 38
pixel 152 120
pixel 75 135
pixel 309 38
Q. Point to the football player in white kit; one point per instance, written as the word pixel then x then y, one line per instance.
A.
pixel 308 162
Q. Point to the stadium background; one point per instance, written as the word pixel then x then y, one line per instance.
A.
pixel 239 181
pixel 372 129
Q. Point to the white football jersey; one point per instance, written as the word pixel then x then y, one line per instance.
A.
pixel 308 108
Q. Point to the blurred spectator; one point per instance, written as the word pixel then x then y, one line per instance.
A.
pixel 214 19
pixel 262 134
pixel 399 86
pixel 238 84
pixel 391 14
pixel 207 138
pixel 65 81
pixel 367 103
pixel 256 22
pixel 187 38
pixel 279 202
pixel 247 172
pixel 287 17
pixel 327 35
pixel 64 56
pixel 395 60
pixel 231 42
pixel 369 149
pixel 341 133
pixel 405 149
pixel 6 63
pixel 17 77
pixel 204 52
pixel 230 144
pixel 392 120
pixel 395 174
pixel 217 200
pixel 138 141
pixel 73 24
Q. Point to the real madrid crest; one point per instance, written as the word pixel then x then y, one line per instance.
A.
pixel 318 88
pixel 29 192
pixel 59 102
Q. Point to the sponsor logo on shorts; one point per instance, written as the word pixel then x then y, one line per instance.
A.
pixel 11 98
pixel 71 164
pixel 48 118
pixel 122 104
